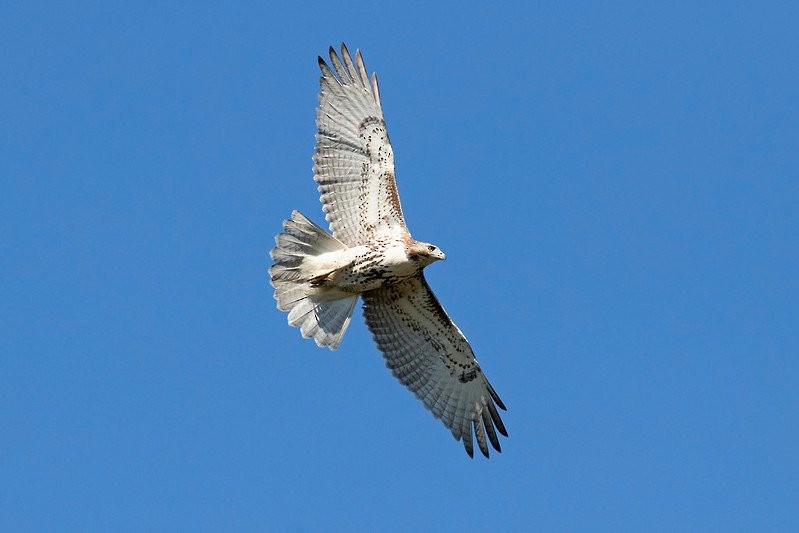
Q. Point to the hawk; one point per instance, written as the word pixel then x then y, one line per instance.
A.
pixel 318 277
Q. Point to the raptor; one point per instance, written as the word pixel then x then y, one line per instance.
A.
pixel 319 277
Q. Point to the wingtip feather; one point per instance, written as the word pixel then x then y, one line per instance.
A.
pixel 481 436
pixel 495 397
pixel 488 424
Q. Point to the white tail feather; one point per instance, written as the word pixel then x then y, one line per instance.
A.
pixel 320 314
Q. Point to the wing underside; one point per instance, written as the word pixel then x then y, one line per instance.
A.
pixel 354 160
pixel 427 352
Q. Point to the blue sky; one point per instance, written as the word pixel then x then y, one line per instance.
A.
pixel 615 186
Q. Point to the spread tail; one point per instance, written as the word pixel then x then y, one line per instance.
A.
pixel 320 314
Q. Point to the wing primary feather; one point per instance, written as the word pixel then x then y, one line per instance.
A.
pixel 495 396
pixel 343 75
pixel 481 436
pixel 361 69
pixel 466 436
pixel 497 420
pixel 376 90
pixel 347 58
pixel 489 427
pixel 326 72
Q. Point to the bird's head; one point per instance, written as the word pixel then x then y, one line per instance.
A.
pixel 425 253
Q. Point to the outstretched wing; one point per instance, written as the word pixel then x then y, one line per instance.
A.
pixel 427 352
pixel 354 162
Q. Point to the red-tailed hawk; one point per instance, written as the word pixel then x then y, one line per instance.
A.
pixel 318 277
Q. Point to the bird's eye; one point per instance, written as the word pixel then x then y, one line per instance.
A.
pixel 431 248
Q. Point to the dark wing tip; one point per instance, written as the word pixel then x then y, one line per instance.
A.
pixel 495 397
pixel 488 424
pixel 483 449
pixel 468 441
pixel 492 410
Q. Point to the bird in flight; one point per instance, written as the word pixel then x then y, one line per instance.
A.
pixel 318 277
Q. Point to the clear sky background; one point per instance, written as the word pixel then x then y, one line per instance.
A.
pixel 616 188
